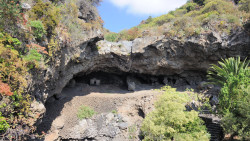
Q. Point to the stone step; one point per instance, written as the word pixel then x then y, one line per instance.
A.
pixel 215 131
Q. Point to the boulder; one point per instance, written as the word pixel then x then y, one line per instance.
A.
pixel 58 123
pixel 26 6
pixel 214 100
pixel 131 86
pixel 123 125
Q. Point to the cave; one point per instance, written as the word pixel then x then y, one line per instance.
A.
pixel 107 91
pixel 116 79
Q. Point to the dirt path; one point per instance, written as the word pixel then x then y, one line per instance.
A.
pixel 61 115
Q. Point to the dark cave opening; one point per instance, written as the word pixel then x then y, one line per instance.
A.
pixel 117 79
pixel 121 79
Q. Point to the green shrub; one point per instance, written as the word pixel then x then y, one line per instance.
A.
pixel 37 28
pixel 9 13
pixel 219 75
pixel 190 6
pixel 233 76
pixel 192 19
pixel 13 72
pixel 33 55
pixel 85 112
pixel 235 99
pixel 3 124
pixel 112 37
pixel 245 5
pixel 200 2
pixel 163 19
pixel 48 13
pixel 171 121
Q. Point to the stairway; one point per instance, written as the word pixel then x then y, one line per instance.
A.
pixel 213 126
pixel 215 131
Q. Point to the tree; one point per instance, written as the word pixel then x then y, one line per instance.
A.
pixel 233 76
pixel 218 75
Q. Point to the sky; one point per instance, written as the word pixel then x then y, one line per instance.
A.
pixel 124 14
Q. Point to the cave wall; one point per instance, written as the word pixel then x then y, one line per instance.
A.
pixel 152 55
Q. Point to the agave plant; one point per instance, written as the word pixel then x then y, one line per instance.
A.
pixel 218 75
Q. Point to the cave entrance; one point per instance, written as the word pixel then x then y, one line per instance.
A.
pixel 123 81
pixel 130 95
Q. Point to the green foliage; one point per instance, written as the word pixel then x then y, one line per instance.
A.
pixel 200 2
pixel 190 6
pixel 33 58
pixel 74 26
pixel 37 28
pixel 114 112
pixel 245 5
pixel 53 46
pixel 13 71
pixel 170 120
pixel 9 13
pixel 194 18
pixel 219 75
pixel 3 124
pixel 85 112
pixel 48 13
pixel 132 132
pixel 112 37
pixel 236 112
pixel 149 20
pixel 163 19
pixel 33 55
pixel 233 75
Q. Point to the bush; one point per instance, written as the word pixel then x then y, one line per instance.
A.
pixel 245 5
pixel 37 28
pixel 190 6
pixel 233 76
pixel 163 19
pixel 15 102
pixel 236 121
pixel 9 13
pixel 85 112
pixel 5 89
pixel 3 124
pixel 33 55
pixel 200 2
pixel 171 121
pixel 48 13
pixel 112 37
pixel 219 75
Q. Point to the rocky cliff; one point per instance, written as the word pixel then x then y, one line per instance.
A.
pixel 76 47
pixel 159 56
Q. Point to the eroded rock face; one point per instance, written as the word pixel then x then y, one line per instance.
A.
pixel 189 59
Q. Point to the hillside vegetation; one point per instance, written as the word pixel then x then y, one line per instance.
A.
pixel 194 18
pixel 29 41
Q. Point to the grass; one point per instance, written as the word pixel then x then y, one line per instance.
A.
pixel 85 112
pixel 114 112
